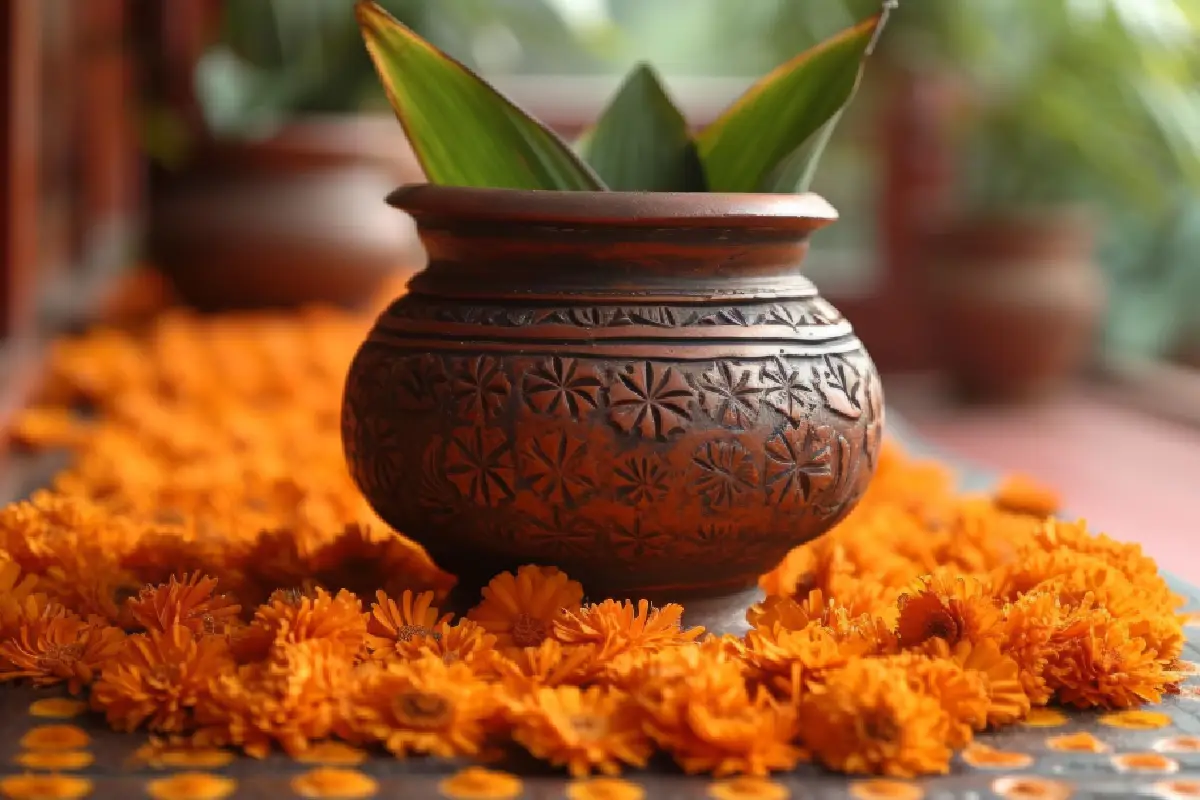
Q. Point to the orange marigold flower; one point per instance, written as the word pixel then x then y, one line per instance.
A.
pixel 520 610
pixel 954 609
pixel 422 706
pixel 18 603
pixel 190 602
pixel 1094 662
pixel 582 729
pixel 292 699
pixel 791 661
pixel 464 641
pixel 368 559
pixel 711 723
pixel 647 674
pixel 869 720
pixel 292 617
pixel 549 664
pixel 59 647
pixel 1027 635
pixel 999 674
pixel 158 677
pixel 614 627
pixel 91 587
pixel 962 694
pixel 1023 495
pixel 399 630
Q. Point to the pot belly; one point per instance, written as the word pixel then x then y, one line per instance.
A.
pixel 642 449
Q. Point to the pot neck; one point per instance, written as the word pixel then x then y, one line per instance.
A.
pixel 612 246
pixel 604 263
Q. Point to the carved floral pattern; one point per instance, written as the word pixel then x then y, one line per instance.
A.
pixel 562 387
pixel 651 400
pixel 799 465
pixel 845 486
pixel 788 391
pixel 638 539
pixel 725 471
pixel 418 382
pixel 559 467
pixel 641 480
pixel 558 537
pixel 873 435
pixel 731 394
pixel 479 462
pixel 479 386
pixel 840 384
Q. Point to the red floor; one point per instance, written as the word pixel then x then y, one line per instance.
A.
pixel 1130 475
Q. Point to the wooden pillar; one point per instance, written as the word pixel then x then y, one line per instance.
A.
pixel 918 177
pixel 107 136
pixel 20 88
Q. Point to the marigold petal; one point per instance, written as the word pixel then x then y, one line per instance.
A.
pixel 328 783
pixel 44 787
pixel 191 786
pixel 479 783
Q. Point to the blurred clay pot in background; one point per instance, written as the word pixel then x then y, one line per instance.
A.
pixel 294 219
pixel 1014 301
pixel 640 389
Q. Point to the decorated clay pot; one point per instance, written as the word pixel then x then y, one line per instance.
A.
pixel 1015 302
pixel 640 389
pixel 287 221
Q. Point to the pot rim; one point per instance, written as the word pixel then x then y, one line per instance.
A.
pixel 804 212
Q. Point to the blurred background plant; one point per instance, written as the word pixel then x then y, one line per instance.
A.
pixel 1064 101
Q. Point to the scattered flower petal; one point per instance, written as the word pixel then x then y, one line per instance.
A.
pixel 1145 762
pixel 57 708
pixel 44 787
pixel 191 786
pixel 329 783
pixel 56 760
pixel 478 783
pixel 56 737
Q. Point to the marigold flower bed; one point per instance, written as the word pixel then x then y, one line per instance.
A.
pixel 206 571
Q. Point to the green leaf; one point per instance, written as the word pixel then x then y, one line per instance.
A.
pixel 463 131
pixel 783 110
pixel 641 142
pixel 796 172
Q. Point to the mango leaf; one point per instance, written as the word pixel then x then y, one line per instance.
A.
pixel 641 142
pixel 796 172
pixel 462 130
pixel 782 111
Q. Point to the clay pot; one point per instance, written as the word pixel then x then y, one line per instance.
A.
pixel 1015 302
pixel 640 389
pixel 290 220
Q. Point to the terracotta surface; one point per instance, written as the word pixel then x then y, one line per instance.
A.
pixel 1014 302
pixel 641 389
